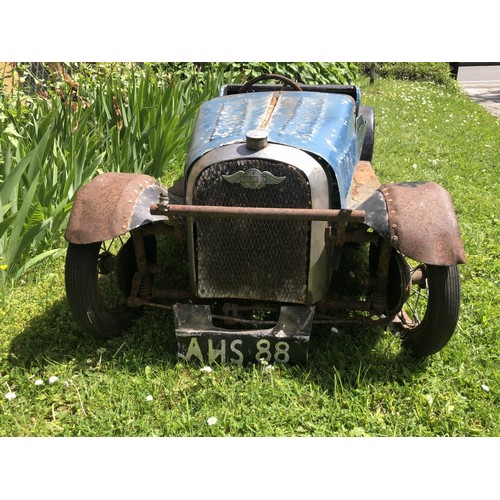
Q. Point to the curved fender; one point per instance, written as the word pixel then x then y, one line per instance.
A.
pixel 112 204
pixel 420 221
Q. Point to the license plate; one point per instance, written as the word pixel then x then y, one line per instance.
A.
pixel 198 340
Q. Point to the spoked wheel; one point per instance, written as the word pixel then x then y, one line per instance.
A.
pixel 99 280
pixel 430 315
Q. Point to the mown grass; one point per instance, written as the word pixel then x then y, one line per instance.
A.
pixel 357 382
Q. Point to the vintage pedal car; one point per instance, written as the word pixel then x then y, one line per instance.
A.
pixel 285 226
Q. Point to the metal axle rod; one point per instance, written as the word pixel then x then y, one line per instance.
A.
pixel 300 214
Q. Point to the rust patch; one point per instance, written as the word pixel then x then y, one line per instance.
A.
pixel 365 182
pixel 110 205
pixel 422 223
pixel 269 111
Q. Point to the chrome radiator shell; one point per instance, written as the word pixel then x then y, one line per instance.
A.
pixel 304 285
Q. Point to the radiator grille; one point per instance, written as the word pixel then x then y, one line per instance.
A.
pixel 252 259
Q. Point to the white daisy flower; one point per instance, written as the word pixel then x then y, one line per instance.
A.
pixel 212 421
pixel 485 387
pixel 10 395
pixel 206 369
pixel 53 379
pixel 149 398
pixel 39 382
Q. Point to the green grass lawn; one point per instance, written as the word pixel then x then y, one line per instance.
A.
pixel 357 382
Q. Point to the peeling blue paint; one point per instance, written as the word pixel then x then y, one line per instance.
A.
pixel 322 124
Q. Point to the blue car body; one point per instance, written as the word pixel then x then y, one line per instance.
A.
pixel 322 124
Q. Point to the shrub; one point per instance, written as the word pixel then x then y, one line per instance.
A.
pixel 437 72
pixel 341 73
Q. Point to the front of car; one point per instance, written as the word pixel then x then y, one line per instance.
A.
pixel 278 186
pixel 274 149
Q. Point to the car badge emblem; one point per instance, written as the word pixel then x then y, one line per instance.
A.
pixel 253 178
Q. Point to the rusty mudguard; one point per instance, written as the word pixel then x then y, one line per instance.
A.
pixel 112 204
pixel 419 220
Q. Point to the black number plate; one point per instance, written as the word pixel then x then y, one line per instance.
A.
pixel 286 342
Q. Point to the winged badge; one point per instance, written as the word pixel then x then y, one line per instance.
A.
pixel 253 178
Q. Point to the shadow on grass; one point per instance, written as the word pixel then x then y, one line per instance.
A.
pixel 54 338
pixel 357 357
pixel 350 355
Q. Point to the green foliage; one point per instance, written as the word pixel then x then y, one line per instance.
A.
pixel 35 188
pixel 131 120
pixel 320 73
pixel 437 72
pixel 341 73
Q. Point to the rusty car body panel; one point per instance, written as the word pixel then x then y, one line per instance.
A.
pixel 419 220
pixel 423 224
pixel 112 204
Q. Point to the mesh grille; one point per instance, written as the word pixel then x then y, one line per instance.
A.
pixel 252 259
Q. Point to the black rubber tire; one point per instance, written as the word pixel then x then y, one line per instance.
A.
pixel 368 144
pixel 441 315
pixel 92 315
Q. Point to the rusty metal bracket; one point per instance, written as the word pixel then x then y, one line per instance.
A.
pixel 379 296
pixel 142 283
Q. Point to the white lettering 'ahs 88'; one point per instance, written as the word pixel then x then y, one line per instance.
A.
pixel 234 355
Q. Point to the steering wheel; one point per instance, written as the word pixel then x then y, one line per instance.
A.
pixel 268 76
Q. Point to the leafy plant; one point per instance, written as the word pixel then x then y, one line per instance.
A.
pixel 130 121
pixel 309 73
